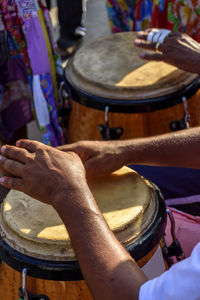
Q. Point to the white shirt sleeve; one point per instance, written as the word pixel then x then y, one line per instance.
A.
pixel 180 282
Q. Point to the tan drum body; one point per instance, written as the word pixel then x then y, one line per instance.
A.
pixel 10 281
pixel 129 206
pixel 84 121
pixel 110 68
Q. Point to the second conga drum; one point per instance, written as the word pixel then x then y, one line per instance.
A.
pixel 115 94
pixel 34 239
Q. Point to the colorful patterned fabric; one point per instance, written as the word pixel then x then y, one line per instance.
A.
pixel 49 93
pixel 121 14
pixel 27 27
pixel 176 15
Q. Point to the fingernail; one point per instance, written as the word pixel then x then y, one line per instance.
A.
pixel 18 143
pixel 137 42
pixel 1 157
pixel 139 34
pixel 3 149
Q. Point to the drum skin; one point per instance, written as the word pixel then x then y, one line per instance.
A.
pixel 63 279
pixel 84 121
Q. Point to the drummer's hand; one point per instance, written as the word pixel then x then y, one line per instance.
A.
pixel 41 171
pixel 178 49
pixel 99 157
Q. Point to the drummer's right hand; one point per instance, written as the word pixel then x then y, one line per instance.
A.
pixel 99 157
pixel 41 171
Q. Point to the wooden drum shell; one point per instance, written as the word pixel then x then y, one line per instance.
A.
pixel 84 121
pixel 143 97
pixel 10 281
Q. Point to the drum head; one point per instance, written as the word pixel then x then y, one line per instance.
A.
pixel 33 235
pixel 110 67
pixel 35 228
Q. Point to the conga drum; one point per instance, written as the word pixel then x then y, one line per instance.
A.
pixel 35 247
pixel 115 94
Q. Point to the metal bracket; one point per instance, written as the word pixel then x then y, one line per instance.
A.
pixel 64 105
pixel 24 294
pixel 107 132
pixel 175 248
pixel 184 122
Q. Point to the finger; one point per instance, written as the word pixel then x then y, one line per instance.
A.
pixel 13 167
pixel 11 183
pixel 144 44
pixel 152 56
pixel 30 145
pixel 143 34
pixel 65 148
pixel 15 153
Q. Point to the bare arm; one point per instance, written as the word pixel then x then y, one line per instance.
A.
pixel 107 268
pixel 178 149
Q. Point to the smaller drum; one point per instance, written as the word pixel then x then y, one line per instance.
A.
pixel 137 98
pixel 34 238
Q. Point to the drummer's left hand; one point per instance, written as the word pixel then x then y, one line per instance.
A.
pixel 41 171
pixel 178 49
pixel 99 157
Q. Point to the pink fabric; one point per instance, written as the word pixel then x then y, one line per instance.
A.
pixel 187 230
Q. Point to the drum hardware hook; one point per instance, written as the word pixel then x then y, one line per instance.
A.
pixel 175 248
pixel 107 132
pixel 187 117
pixel 106 115
pixel 184 122
pixel 63 93
pixel 64 108
pixel 24 294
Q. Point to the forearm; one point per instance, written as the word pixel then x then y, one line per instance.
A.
pixel 179 149
pixel 107 268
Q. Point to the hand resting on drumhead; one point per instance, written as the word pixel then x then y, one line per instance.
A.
pixel 58 178
pixel 98 157
pixel 103 157
pixel 178 49
pixel 40 171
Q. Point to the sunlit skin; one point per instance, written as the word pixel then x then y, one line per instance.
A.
pixel 58 178
pixel 178 49
pixel 158 150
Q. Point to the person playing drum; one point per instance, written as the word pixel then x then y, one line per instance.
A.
pixel 107 268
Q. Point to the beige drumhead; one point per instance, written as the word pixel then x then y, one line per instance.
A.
pixel 110 67
pixel 35 229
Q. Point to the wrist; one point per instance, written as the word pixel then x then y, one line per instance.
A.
pixel 71 196
pixel 132 151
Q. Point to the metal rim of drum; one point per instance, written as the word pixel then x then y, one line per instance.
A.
pixel 131 106
pixel 70 270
